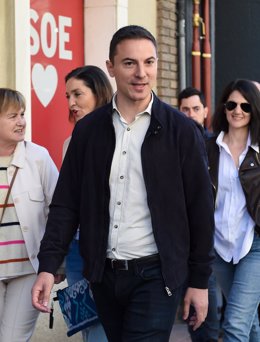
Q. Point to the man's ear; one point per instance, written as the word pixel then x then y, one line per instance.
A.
pixel 206 110
pixel 110 68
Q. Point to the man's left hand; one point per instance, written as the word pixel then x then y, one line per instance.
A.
pixel 198 298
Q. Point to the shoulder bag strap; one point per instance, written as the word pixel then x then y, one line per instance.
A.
pixel 8 194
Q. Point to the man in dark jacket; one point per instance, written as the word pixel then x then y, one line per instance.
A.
pixel 135 179
pixel 191 102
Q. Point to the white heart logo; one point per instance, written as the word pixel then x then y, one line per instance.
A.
pixel 44 82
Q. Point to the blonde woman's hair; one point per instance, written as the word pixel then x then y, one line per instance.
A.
pixel 11 98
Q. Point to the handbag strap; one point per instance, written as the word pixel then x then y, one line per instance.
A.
pixel 8 194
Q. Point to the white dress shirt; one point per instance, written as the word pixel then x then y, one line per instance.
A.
pixel 130 233
pixel 234 226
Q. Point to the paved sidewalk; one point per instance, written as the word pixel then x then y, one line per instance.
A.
pixel 180 333
pixel 58 333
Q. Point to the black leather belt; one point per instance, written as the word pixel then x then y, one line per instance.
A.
pixel 125 265
pixel 257 230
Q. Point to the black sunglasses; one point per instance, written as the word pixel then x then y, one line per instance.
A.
pixel 231 105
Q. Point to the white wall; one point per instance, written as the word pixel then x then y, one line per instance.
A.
pixel 23 57
pixel 102 19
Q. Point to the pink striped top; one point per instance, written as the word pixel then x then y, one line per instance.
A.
pixel 14 259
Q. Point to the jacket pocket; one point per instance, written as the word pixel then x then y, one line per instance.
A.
pixel 150 272
pixel 36 194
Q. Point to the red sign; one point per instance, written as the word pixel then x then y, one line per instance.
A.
pixel 57 47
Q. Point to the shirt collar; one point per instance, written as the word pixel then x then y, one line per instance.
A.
pixel 19 154
pixel 148 109
pixel 220 143
pixel 254 147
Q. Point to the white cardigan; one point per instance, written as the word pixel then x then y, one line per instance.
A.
pixel 32 193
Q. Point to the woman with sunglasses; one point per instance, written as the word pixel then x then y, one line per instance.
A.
pixel 234 165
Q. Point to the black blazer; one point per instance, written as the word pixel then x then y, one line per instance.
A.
pixel 178 193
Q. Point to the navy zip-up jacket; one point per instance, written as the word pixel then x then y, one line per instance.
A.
pixel 178 189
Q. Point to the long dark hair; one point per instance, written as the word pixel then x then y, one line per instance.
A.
pixel 250 92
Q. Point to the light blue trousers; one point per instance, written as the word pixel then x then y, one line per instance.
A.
pixel 240 284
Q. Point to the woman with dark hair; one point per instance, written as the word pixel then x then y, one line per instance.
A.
pixel 234 165
pixel 87 88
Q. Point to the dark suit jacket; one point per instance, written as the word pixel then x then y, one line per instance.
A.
pixel 178 193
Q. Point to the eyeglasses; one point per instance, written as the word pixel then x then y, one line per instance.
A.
pixel 231 105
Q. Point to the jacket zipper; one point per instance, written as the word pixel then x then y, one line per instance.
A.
pixel 169 292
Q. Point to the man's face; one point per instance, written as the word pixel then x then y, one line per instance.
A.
pixel 193 108
pixel 135 70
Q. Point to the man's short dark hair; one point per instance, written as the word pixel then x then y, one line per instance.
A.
pixel 188 92
pixel 129 32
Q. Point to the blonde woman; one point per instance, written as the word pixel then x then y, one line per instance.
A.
pixel 27 180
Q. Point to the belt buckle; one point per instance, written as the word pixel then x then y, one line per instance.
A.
pixel 120 265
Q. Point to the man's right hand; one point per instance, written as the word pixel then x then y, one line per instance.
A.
pixel 41 291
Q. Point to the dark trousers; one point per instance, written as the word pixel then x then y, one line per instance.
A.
pixel 133 304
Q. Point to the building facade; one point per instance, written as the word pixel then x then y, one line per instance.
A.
pixel 197 45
